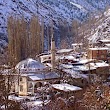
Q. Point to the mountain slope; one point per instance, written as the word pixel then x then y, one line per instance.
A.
pixel 58 10
pixel 49 9
pixel 103 29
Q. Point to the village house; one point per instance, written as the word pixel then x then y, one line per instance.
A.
pixel 64 51
pixel 103 42
pixel 59 58
pixel 107 45
pixel 91 67
pixel 74 77
pixel 99 43
pixel 68 59
pixel 102 69
pixel 98 53
pixel 45 58
pixel 68 90
pixel 77 47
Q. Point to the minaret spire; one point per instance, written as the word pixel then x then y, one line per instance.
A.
pixel 52 50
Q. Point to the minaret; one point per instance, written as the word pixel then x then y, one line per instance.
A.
pixel 52 53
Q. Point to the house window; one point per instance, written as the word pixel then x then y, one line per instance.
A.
pixel 102 56
pixel 21 88
pixel 82 81
pixel 21 79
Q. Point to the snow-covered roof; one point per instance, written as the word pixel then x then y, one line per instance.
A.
pixel 64 51
pixel 108 45
pixel 91 66
pixel 98 48
pixel 44 76
pixel 68 66
pixel 44 56
pixel 77 44
pixel 66 87
pixel 75 74
pixel 84 68
pixel 108 78
pixel 36 105
pixel 69 57
pixel 85 61
pixel 29 65
pixel 99 64
pixel 105 40
pixel 15 98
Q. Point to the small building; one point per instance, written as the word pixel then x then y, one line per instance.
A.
pixel 98 53
pixel 76 78
pixel 45 58
pixel 92 66
pixel 104 41
pixel 107 45
pixel 77 47
pixel 68 90
pixel 68 59
pixel 83 66
pixel 64 51
pixel 102 69
pixel 99 43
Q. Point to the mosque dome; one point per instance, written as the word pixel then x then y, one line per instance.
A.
pixel 30 64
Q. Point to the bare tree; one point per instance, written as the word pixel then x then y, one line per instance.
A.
pixel 25 39
pixel 96 97
pixel 6 84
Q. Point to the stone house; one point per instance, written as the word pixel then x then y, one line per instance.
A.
pixel 98 53
pixel 68 90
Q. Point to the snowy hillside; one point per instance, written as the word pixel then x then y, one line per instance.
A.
pixel 58 10
pixel 49 9
pixel 103 30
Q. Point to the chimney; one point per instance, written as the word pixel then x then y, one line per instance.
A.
pixel 52 53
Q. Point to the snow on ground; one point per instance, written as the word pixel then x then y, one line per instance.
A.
pixel 32 103
pixel 78 6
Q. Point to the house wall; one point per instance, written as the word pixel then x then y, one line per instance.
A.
pixel 89 72
pixel 102 70
pixel 16 85
pixel 78 94
pixel 45 58
pixel 77 48
pixel 81 82
pixel 97 54
pixel 23 86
